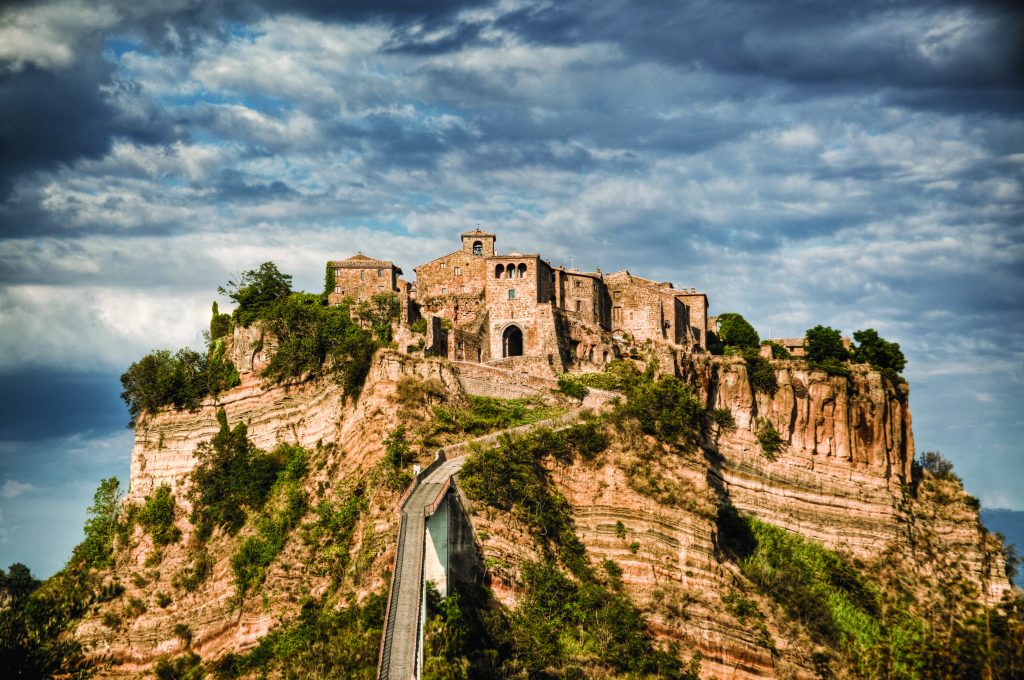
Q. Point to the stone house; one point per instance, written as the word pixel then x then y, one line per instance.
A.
pixel 516 310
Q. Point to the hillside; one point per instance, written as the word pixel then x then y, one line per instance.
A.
pixel 676 514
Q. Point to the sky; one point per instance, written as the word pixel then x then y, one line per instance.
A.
pixel 858 165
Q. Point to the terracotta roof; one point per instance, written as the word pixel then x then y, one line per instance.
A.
pixel 360 261
pixel 477 232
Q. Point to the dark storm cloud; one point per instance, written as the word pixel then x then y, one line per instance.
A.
pixel 398 11
pixel 864 43
pixel 84 402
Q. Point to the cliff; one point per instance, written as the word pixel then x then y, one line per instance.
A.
pixel 844 478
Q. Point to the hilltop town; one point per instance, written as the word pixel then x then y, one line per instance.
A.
pixel 517 310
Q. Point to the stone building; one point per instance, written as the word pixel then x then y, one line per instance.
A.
pixel 516 310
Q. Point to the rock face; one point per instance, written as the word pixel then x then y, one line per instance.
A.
pixel 844 477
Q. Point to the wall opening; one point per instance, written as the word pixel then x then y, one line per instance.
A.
pixel 499 270
pixel 478 247
pixel 512 342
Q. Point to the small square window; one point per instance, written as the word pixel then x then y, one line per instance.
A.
pixel 337 289
pixel 380 272
pixel 444 290
pixel 462 289
pixel 511 293
pixel 458 271
pixel 443 265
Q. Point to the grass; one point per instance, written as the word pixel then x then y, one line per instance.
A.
pixel 482 415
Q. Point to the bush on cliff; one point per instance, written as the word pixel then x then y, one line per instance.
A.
pixel 876 351
pixel 256 291
pixel 313 339
pixel 666 408
pixel 157 514
pixel 823 343
pixel 735 331
pixel 231 476
pixel 101 525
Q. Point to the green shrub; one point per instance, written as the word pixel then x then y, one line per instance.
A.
pixel 191 576
pixel 666 409
pixel 101 525
pixel 872 349
pixel 938 465
pixel 620 530
pixel 322 641
pixel 134 608
pixel 778 351
pixel 572 388
pixel 183 633
pixel 769 439
pixel 760 372
pixel 618 375
pixel 162 599
pixel 419 326
pixel 833 367
pixel 735 331
pixel 256 291
pixel 220 324
pixel 397 457
pixel 157 516
pixel 335 525
pixel 186 667
pixel 380 312
pixel 249 564
pixel 231 476
pixel 823 343
pixel 511 476
pixel 314 340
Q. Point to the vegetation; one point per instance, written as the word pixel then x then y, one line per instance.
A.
pixel 191 576
pixel 778 351
pixel 735 331
pixel 666 408
pixel 481 415
pixel 769 439
pixel 313 339
pixel 231 477
pixel 760 372
pixel 321 642
pixel 378 314
pixel 157 516
pixel 101 525
pixel 397 458
pixel 618 375
pixel 287 506
pixel 34 618
pixel 882 355
pixel 572 388
pixel 511 477
pixel 256 291
pixel 186 667
pixel 220 324
pixel 331 534
pixel 824 344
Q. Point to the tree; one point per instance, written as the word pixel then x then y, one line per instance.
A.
pixel 256 291
pixel 824 343
pixel 735 331
pixel 18 583
pixel 872 349
pixel 148 383
pixel 97 549
pixel 220 324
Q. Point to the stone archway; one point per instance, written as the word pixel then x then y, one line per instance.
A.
pixel 512 342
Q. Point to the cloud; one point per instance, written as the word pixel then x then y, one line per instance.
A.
pixel 12 488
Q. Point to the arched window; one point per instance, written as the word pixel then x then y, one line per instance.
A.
pixel 478 248
pixel 511 270
pixel 512 342
pixel 499 270
pixel 522 271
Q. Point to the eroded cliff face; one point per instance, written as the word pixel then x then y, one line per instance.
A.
pixel 346 436
pixel 844 478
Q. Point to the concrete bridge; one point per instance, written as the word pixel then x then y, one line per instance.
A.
pixel 435 543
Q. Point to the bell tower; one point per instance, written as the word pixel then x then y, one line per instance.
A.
pixel 478 243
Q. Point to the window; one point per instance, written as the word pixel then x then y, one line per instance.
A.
pixel 380 272
pixel 511 293
pixel 616 313
pixel 458 271
pixel 462 289
pixel 522 271
pixel 362 275
pixel 337 273
pixel 478 248
pixel 443 265
pixel 511 270
pixel 579 305
pixel 499 271
pixel 444 290
pixel 577 283
pixel 337 289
